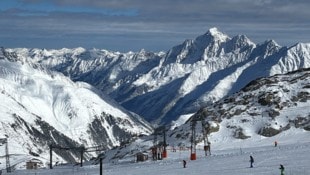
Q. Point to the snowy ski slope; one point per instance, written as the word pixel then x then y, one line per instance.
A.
pixel 293 151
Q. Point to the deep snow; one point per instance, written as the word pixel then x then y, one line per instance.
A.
pixel 230 158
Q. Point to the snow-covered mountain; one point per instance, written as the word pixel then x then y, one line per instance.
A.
pixel 263 108
pixel 162 86
pixel 40 108
pixel 264 111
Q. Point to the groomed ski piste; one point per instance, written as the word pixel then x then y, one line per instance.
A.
pixel 229 158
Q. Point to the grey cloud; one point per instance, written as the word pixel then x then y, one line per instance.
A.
pixel 159 23
pixel 204 10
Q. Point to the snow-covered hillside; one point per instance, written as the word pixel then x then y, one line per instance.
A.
pixel 266 109
pixel 163 86
pixel 40 108
pixel 293 152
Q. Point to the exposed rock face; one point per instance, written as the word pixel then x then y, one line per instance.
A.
pixel 240 135
pixel 266 107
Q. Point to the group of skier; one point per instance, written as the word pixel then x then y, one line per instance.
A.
pixel 252 161
pixel 281 166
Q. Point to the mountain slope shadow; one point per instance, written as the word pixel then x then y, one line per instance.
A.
pixel 155 100
pixel 187 102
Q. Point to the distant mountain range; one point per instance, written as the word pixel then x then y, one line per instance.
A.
pixel 162 86
pixel 71 97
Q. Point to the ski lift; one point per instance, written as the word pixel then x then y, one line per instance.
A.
pixel 205 132
pixel 159 150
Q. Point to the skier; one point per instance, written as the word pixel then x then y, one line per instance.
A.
pixel 209 144
pixel 281 169
pixel 275 144
pixel 251 161
pixel 184 164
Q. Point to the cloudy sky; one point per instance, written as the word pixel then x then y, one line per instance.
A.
pixel 155 25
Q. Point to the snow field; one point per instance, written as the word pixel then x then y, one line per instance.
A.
pixel 294 156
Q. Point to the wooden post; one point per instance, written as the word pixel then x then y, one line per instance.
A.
pixel 100 166
pixel 51 158
pixel 82 152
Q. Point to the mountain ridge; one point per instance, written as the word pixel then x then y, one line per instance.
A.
pixel 201 71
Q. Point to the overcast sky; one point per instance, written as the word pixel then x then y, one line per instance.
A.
pixel 155 25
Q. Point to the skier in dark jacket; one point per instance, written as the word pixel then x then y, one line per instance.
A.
pixel 282 169
pixel 275 143
pixel 251 161
pixel 184 164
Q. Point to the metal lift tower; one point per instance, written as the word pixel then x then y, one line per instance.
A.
pixel 4 141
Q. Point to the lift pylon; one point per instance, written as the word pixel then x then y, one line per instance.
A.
pixel 4 141
pixel 205 132
pixel 193 140
pixel 159 149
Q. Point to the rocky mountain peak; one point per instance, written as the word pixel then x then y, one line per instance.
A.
pixel 210 39
pixel 217 35
pixel 272 44
pixel 242 40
